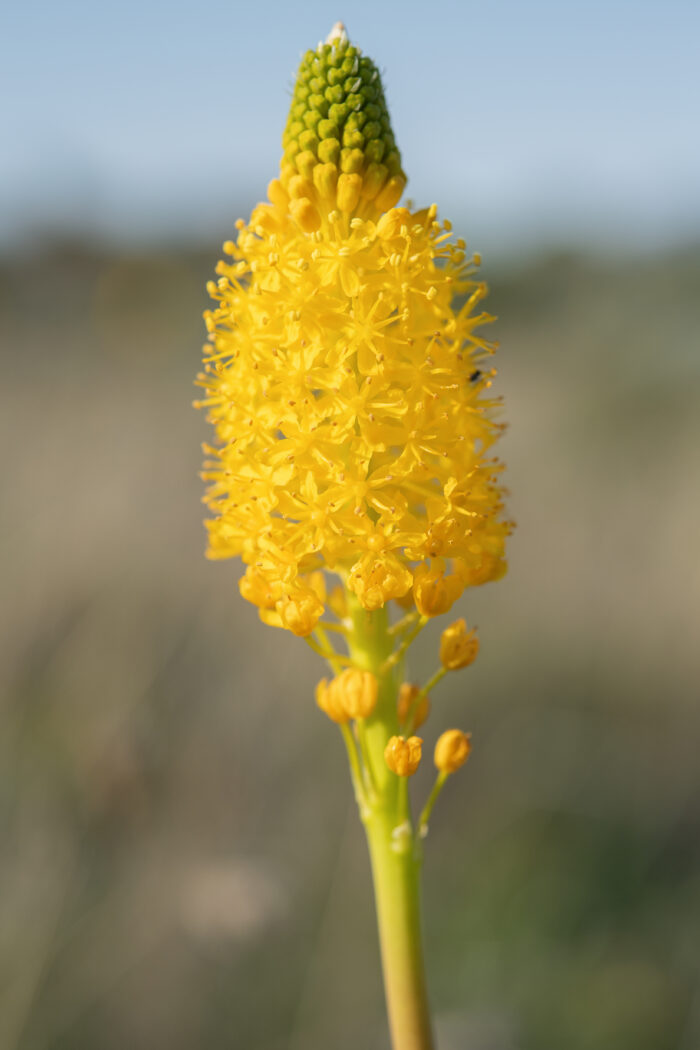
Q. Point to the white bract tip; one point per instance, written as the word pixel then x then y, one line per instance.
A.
pixel 337 35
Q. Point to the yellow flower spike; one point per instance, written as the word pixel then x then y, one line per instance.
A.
pixel 458 646
pixel 346 382
pixel 408 694
pixel 343 347
pixel 452 750
pixel 330 703
pixel 356 691
pixel 403 756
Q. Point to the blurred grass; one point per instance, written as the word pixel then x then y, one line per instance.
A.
pixel 181 864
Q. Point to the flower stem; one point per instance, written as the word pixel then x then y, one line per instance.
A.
pixel 432 799
pixel 394 849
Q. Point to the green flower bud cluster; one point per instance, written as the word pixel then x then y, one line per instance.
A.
pixel 339 115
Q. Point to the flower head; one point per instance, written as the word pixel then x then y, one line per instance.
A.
pixel 345 377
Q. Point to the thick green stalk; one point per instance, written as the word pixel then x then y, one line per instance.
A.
pixel 393 847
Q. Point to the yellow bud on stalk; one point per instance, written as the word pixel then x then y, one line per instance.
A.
pixel 330 703
pixel 407 698
pixel 403 756
pixel 433 592
pixel 356 692
pixel 458 646
pixel 452 750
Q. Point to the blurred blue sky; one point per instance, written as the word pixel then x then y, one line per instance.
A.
pixel 529 123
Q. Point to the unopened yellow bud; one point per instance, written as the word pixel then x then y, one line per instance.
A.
pixel 356 691
pixel 306 162
pixel 373 180
pixel 403 756
pixel 433 592
pixel 348 194
pixel 300 186
pixel 452 750
pixel 408 694
pixel 391 193
pixel 305 214
pixel 329 702
pixel 277 194
pixel 458 646
pixel 326 180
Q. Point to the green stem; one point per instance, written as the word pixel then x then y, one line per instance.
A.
pixel 355 770
pixel 432 799
pixel 398 655
pixel 431 683
pixel 394 851
pixel 396 874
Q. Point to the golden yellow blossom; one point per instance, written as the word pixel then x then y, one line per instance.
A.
pixel 330 702
pixel 435 590
pixel 356 692
pixel 403 756
pixel 452 750
pixel 458 646
pixel 345 378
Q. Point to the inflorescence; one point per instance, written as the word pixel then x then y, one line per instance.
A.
pixel 348 385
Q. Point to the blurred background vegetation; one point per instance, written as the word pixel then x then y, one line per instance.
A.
pixel 182 865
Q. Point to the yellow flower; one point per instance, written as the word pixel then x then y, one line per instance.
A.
pixel 403 756
pixel 452 750
pixel 458 646
pixel 331 702
pixel 345 376
pixel 435 591
pixel 356 692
